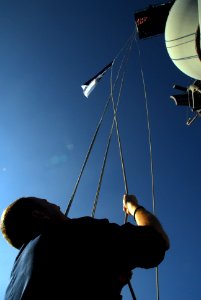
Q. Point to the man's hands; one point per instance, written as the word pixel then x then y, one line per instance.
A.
pixel 130 203
pixel 142 216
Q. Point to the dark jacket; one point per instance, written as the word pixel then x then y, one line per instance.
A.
pixel 83 258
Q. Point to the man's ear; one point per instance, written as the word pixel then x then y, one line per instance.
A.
pixel 40 215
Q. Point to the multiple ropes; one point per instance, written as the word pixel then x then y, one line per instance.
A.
pixel 128 47
pixel 151 156
pixel 120 79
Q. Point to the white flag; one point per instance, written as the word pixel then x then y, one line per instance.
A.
pixel 89 85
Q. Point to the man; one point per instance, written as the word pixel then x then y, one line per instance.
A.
pixel 84 258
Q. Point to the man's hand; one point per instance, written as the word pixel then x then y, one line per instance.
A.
pixel 130 203
pixel 142 216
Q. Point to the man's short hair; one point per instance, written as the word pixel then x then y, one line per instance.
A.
pixel 17 224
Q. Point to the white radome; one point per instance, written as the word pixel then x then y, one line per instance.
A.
pixel 180 36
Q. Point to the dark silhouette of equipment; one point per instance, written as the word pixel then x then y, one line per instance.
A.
pixel 191 98
pixel 152 20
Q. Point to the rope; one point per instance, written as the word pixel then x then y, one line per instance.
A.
pixel 115 121
pixel 109 138
pixel 123 63
pixel 95 135
pixel 102 172
pixel 87 157
pixel 151 155
pixel 122 159
pixel 115 118
pixel 118 136
pixel 121 153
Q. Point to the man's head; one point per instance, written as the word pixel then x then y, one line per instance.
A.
pixel 27 217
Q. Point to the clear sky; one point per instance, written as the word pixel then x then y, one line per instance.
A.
pixel 49 48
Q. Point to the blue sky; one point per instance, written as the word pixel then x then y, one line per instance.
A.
pixel 47 50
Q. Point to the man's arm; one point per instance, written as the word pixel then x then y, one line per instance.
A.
pixel 142 216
